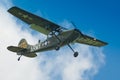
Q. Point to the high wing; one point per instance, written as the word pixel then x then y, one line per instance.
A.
pixel 37 23
pixel 90 41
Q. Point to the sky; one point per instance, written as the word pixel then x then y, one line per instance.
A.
pixel 98 18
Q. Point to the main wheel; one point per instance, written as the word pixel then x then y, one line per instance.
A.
pixel 57 48
pixel 75 54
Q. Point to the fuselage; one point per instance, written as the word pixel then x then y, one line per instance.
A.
pixel 52 42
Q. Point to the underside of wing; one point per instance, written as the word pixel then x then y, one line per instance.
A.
pixel 90 41
pixel 37 23
pixel 14 48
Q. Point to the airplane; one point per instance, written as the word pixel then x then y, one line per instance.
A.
pixel 57 36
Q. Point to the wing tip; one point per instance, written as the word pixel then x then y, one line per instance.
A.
pixel 104 44
pixel 12 8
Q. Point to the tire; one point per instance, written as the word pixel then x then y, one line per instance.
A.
pixel 75 54
pixel 57 48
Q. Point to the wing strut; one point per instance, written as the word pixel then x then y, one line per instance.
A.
pixel 58 46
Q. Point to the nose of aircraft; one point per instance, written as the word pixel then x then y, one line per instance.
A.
pixel 77 30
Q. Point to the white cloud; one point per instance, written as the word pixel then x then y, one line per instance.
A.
pixel 53 65
pixel 10 34
pixel 66 67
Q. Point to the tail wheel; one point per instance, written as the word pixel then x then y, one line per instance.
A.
pixel 75 54
pixel 19 57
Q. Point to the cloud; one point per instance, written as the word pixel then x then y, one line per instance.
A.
pixel 10 34
pixel 51 65
pixel 63 66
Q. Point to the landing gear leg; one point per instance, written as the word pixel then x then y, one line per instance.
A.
pixel 19 57
pixel 75 53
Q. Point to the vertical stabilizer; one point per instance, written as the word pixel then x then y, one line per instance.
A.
pixel 23 43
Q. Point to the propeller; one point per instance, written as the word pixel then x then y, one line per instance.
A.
pixel 73 24
pixel 77 28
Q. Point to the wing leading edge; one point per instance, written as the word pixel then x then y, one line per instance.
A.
pixel 90 41
pixel 37 23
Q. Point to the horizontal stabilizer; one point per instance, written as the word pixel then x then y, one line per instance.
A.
pixel 31 55
pixel 15 49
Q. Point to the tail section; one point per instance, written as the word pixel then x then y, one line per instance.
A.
pixel 22 49
pixel 23 43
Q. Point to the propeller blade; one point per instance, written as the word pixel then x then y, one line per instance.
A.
pixel 77 28
pixel 73 24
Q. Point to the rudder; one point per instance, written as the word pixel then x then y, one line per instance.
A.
pixel 23 43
